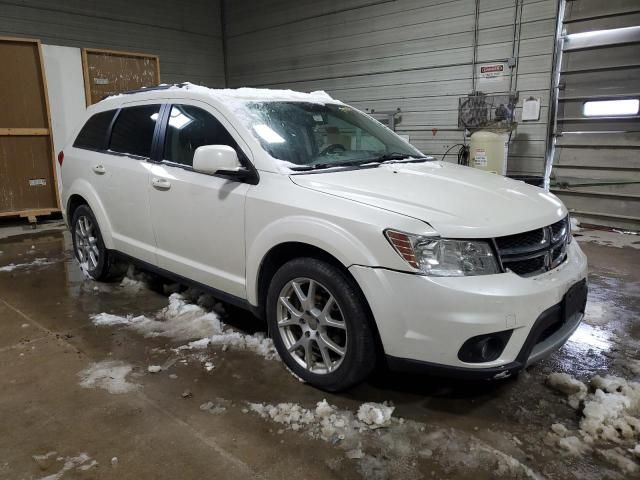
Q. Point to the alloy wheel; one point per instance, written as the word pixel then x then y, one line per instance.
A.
pixel 312 326
pixel 87 242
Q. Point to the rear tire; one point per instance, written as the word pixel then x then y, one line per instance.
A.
pixel 320 324
pixel 88 246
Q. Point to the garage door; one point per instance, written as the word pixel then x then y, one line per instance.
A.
pixel 596 168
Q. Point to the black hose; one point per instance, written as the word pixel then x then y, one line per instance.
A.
pixel 463 153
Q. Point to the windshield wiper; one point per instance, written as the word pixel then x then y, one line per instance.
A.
pixel 394 157
pixel 320 166
pixel 386 158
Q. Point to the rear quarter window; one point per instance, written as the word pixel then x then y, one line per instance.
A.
pixel 93 135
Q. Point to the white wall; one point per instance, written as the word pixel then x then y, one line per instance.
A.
pixel 65 84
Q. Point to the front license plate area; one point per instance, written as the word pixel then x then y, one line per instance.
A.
pixel 575 300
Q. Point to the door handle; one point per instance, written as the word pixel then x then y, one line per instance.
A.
pixel 161 183
pixel 99 169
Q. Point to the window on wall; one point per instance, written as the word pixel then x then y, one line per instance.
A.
pixel 133 130
pixel 611 108
pixel 189 128
pixel 93 135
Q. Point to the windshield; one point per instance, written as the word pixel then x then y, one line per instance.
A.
pixel 310 135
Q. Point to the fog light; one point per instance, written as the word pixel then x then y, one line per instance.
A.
pixel 484 348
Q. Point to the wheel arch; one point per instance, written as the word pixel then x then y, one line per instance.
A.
pixel 282 253
pixel 84 194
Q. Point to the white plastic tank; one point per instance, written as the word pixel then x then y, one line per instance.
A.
pixel 489 151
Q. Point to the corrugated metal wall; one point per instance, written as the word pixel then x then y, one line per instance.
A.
pixel 596 168
pixel 186 35
pixel 410 54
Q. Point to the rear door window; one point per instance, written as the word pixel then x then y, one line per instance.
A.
pixel 93 135
pixel 133 130
pixel 189 128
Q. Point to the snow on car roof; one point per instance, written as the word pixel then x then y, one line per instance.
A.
pixel 262 94
pixel 243 94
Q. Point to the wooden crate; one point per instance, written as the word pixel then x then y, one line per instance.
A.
pixel 28 182
pixel 108 72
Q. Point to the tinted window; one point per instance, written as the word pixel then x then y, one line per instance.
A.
pixel 189 128
pixel 94 132
pixel 133 130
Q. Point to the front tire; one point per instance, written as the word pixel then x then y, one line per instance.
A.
pixel 320 324
pixel 88 246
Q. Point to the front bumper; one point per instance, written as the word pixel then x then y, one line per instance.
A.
pixel 424 321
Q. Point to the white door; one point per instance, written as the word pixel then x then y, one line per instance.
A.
pixel 128 170
pixel 198 219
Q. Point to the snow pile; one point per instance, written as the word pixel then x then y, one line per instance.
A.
pixel 37 262
pixel 257 343
pixel 388 447
pixel 375 414
pixel 179 320
pixel 610 414
pixel 575 390
pixel 108 375
pixel 183 320
pixel 326 421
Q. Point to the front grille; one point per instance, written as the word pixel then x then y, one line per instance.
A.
pixel 536 251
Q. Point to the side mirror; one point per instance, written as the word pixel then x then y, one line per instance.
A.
pixel 216 159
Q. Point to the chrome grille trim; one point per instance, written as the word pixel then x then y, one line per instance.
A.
pixel 536 251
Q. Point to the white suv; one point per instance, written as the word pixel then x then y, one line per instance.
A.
pixel 355 247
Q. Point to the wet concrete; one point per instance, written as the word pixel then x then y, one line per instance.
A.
pixel 159 431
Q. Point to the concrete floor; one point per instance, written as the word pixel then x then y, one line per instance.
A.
pixel 158 430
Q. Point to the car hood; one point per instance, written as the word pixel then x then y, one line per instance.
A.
pixel 456 201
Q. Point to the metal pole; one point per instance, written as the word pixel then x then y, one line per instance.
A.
pixel 552 120
pixel 475 47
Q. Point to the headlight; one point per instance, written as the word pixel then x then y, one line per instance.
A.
pixel 442 257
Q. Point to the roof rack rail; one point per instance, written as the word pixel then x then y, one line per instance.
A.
pixel 165 86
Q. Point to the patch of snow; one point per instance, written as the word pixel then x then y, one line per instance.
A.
pixel 387 447
pixel 616 457
pixel 245 94
pixel 114 461
pixel 217 407
pixel 179 321
pixel 559 429
pixel 109 375
pixel 70 463
pixel 565 383
pixel 258 343
pixel 609 239
pixel 575 225
pixel 574 445
pixel 154 368
pixel 375 415
pixel 38 262
pixel 183 320
pixel 46 460
pixel 610 414
pixel 633 365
